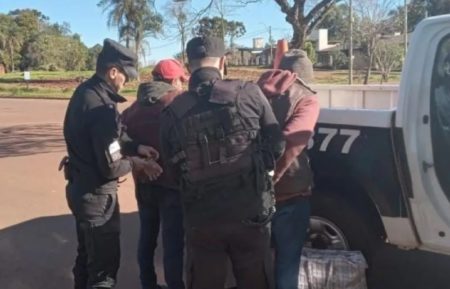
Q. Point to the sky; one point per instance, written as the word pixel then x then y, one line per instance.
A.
pixel 88 20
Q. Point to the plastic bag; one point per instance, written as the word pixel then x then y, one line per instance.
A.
pixel 332 269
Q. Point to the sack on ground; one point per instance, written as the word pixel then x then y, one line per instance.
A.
pixel 332 269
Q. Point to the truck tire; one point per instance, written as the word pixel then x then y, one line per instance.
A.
pixel 338 224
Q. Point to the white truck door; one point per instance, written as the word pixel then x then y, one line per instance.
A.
pixel 424 115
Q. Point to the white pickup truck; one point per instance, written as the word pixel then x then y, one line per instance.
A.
pixel 384 175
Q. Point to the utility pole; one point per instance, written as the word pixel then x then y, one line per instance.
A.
pixel 271 43
pixel 222 20
pixel 350 49
pixel 406 28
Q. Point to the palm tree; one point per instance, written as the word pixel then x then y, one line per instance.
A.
pixel 118 14
pixel 146 23
pixel 135 19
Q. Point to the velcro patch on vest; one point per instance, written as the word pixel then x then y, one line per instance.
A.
pixel 114 151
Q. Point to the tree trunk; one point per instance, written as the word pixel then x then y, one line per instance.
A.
pixel 11 56
pixel 183 42
pixel 369 69
pixel 137 44
pixel 298 38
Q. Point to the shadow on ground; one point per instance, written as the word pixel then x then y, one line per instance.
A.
pixel 21 140
pixel 39 254
pixel 400 269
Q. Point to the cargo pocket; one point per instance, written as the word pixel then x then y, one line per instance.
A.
pixel 97 209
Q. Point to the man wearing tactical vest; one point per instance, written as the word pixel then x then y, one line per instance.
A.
pixel 221 138
pixel 296 109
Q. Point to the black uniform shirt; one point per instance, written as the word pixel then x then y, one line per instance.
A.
pixel 92 130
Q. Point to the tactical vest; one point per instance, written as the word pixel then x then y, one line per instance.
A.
pixel 223 173
pixel 299 176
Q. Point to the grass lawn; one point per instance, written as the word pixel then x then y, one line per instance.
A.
pixel 46 75
pixel 61 84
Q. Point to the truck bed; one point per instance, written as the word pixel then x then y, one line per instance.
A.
pixel 383 97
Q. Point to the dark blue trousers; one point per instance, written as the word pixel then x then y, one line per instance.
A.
pixel 159 205
pixel 289 228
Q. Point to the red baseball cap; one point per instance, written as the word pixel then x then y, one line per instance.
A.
pixel 169 69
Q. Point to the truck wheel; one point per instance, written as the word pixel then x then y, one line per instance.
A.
pixel 338 225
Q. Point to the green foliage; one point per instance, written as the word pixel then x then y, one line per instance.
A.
pixel 417 11
pixel 340 60
pixel 221 28
pixel 29 41
pixel 311 51
pixel 336 21
pixel 58 52
pixel 93 53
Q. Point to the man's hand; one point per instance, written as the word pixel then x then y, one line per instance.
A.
pixel 148 166
pixel 148 152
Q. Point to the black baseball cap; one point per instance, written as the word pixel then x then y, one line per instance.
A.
pixel 115 54
pixel 205 46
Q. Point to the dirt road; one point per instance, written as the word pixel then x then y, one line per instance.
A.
pixel 37 240
pixel 37 245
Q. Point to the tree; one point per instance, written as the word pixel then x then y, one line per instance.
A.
pixel 29 21
pixel 30 41
pixel 374 21
pixel 340 60
pixel 302 15
pixel 336 21
pixel 310 51
pixel 183 18
pixel 235 29
pixel 417 11
pixel 74 53
pixel 12 43
pixel 93 53
pixel 217 26
pixel 388 56
pixel 135 20
pixel 146 23
pixel 118 14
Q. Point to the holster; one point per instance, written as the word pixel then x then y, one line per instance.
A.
pixel 64 165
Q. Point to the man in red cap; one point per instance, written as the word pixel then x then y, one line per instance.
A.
pixel 159 200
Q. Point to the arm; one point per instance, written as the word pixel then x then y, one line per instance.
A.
pixel 297 133
pixel 166 135
pixel 271 133
pixel 104 133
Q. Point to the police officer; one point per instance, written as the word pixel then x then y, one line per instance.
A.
pixel 92 133
pixel 221 137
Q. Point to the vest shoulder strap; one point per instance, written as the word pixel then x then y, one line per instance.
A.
pixel 225 91
pixel 182 104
